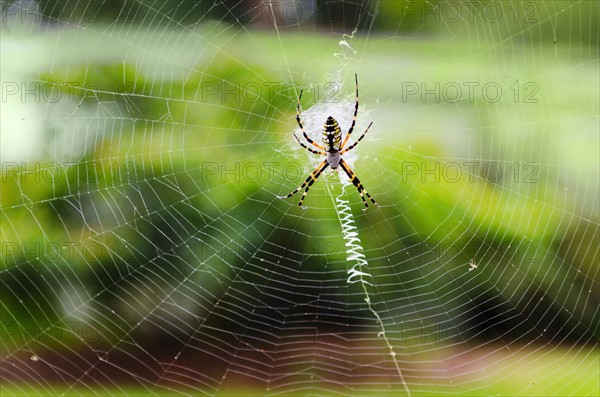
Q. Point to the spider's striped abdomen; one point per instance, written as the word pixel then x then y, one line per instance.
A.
pixel 332 134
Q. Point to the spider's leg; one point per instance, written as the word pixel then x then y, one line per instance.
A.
pixel 311 178
pixel 309 149
pixel 302 127
pixel 356 182
pixel 359 139
pixel 355 113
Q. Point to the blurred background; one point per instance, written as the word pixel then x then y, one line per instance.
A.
pixel 144 250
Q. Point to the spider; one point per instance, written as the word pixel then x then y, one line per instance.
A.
pixel 333 150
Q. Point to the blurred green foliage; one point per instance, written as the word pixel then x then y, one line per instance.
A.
pixel 538 20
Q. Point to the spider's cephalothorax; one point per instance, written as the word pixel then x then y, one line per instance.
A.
pixel 333 151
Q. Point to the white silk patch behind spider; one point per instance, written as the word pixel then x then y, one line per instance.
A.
pixel 342 110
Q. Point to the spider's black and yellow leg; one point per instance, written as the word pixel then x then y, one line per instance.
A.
pixel 355 113
pixel 309 149
pixel 309 181
pixel 356 182
pixel 302 127
pixel 358 140
pixel 313 177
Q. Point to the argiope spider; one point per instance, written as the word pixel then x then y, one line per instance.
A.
pixel 332 136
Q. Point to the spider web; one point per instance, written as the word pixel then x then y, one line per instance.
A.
pixel 145 251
